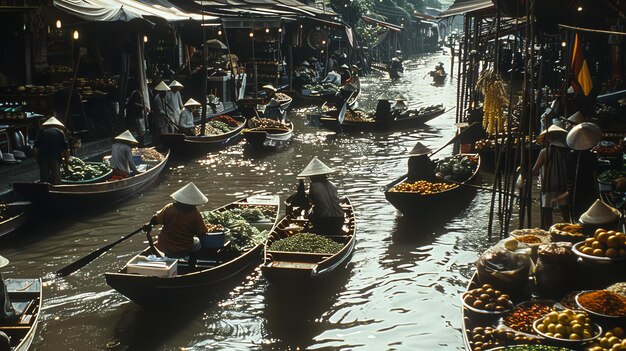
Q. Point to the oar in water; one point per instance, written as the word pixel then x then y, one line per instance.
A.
pixel 82 262
pixel 17 204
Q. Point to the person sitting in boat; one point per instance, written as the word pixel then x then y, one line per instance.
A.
pixel 383 109
pixel 333 78
pixel 298 202
pixel 182 223
pixel 344 72
pixel 121 156
pixel 273 110
pixel 420 166
pixel 396 65
pixel 326 216
pixel 439 69
pixel 303 74
pixel 50 148
pixel 400 104
pixel 353 83
pixel 398 55
pixel 186 122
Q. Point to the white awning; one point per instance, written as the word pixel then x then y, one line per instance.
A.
pixel 127 10
pixel 461 7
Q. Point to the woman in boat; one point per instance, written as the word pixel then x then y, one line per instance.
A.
pixel 182 223
pixel 299 201
pixel 50 148
pixel 326 216
pixel 551 167
pixel 420 166
pixel 121 156
pixel 186 122
pixel 383 109
pixel 333 77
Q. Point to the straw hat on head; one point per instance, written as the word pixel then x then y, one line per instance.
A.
pixel 420 149
pixel 315 167
pixel 3 261
pixel 554 129
pixel 175 84
pixel 400 97
pixel 383 97
pixel 344 66
pixel 162 87
pixel 191 102
pixel 584 136
pixel 576 117
pixel 599 213
pixel 53 122
pixel 622 101
pixel 189 195
pixel 395 59
pixel 400 104
pixel 127 136
pixel 269 87
pixel 305 63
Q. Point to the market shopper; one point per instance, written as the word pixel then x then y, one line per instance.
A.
pixel 182 223
pixel 121 160
pixel 50 149
pixel 174 103
pixel 327 216
pixel 159 113
pixel 551 167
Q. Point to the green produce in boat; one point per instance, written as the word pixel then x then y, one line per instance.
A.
pixel 307 242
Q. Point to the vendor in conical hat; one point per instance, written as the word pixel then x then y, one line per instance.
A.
pixel 327 216
pixel 174 103
pixel 400 103
pixel 160 117
pixel 186 122
pixel 50 149
pixel 420 166
pixel 121 160
pixel 182 223
pixel 383 108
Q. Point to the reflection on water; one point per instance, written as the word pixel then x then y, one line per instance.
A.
pixel 400 291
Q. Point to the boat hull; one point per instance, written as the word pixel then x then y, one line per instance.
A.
pixel 268 137
pixel 26 295
pixel 13 223
pixel 392 124
pixel 185 145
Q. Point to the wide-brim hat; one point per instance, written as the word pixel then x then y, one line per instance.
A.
pixel 420 149
pixel 600 212
pixel 554 129
pixel 315 167
pixel 398 51
pixel 9 158
pixel 3 261
pixel 305 63
pixel 191 102
pixel 584 136
pixel 344 66
pixel 395 59
pixel 189 195
pixel 400 97
pixel 355 67
pixel 127 136
pixel 176 84
pixel 162 87
pixel 53 122
pixel 383 97
pixel 400 104
pixel 269 87
pixel 576 117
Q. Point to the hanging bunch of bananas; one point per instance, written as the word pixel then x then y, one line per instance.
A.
pixel 492 86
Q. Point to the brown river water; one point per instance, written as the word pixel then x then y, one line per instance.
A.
pixel 400 291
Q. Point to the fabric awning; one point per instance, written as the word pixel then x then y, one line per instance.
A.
pixel 387 25
pixel 461 7
pixel 126 10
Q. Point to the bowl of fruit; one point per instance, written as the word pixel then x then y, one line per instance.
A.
pixel 567 327
pixel 604 246
pixel 487 301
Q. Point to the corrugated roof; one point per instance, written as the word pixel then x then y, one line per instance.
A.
pixel 461 7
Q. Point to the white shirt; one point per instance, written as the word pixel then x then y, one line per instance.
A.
pixel 174 105
pixel 333 77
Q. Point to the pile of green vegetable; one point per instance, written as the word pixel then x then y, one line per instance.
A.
pixel 242 235
pixel 610 175
pixel 326 88
pixel 214 127
pixel 307 242
pixel 458 168
pixel 77 170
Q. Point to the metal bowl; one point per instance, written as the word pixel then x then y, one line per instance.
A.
pixel 604 317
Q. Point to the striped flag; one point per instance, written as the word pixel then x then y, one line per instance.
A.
pixel 581 79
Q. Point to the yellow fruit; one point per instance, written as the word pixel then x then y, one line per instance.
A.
pixel 560 329
pixel 511 244
pixel 622 252
pixel 598 252
pixel 588 251
pixel 574 336
pixel 603 237
pixel 577 328
pixel 598 231
pixel 551 327
pixel 612 253
pixel 596 244
pixel 614 241
pixel 617 331
pixel 613 340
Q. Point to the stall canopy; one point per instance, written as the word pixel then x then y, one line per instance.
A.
pixel 283 8
pixel 461 7
pixel 127 10
pixel 387 25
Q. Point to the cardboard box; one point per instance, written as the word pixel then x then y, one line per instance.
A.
pixel 164 268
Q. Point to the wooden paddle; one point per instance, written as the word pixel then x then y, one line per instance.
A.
pixel 17 204
pixel 83 261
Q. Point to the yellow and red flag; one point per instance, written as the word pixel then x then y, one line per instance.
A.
pixel 581 78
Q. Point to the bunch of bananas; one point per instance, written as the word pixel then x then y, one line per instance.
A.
pixel 492 86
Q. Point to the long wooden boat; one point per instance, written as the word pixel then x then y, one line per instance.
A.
pixel 184 145
pixel 439 79
pixel 292 268
pixel 399 120
pixel 62 197
pixel 26 297
pixel 395 74
pixel 214 267
pixel 415 204
pixel 263 137
pixel 14 220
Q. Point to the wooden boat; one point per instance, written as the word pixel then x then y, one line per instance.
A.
pixel 289 268
pixel 14 220
pixel 312 98
pixel 268 137
pixel 414 204
pixel 438 79
pixel 399 120
pixel 26 298
pixel 213 268
pixel 395 74
pixel 62 197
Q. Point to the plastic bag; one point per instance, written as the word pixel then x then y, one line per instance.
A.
pixel 506 266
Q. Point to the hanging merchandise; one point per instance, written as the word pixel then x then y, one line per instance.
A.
pixel 492 87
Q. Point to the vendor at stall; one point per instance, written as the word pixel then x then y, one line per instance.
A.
pixel 159 113
pixel 186 122
pixel 333 78
pixel 174 102
pixel 50 149
pixel 121 160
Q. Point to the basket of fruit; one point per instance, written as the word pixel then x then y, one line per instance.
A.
pixel 568 327
pixel 569 232
pixel 604 246
pixel 487 301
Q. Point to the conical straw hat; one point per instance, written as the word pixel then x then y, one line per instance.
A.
pixel 315 167
pixel 599 212
pixel 3 261
pixel 382 97
pixel 162 87
pixel 192 102
pixel 175 84
pixel 554 129
pixel 344 66
pixel 576 117
pixel 127 136
pixel 305 63
pixel 269 87
pixel 400 104
pixel 584 136
pixel 419 149
pixel 53 122
pixel 189 195
pixel 400 97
